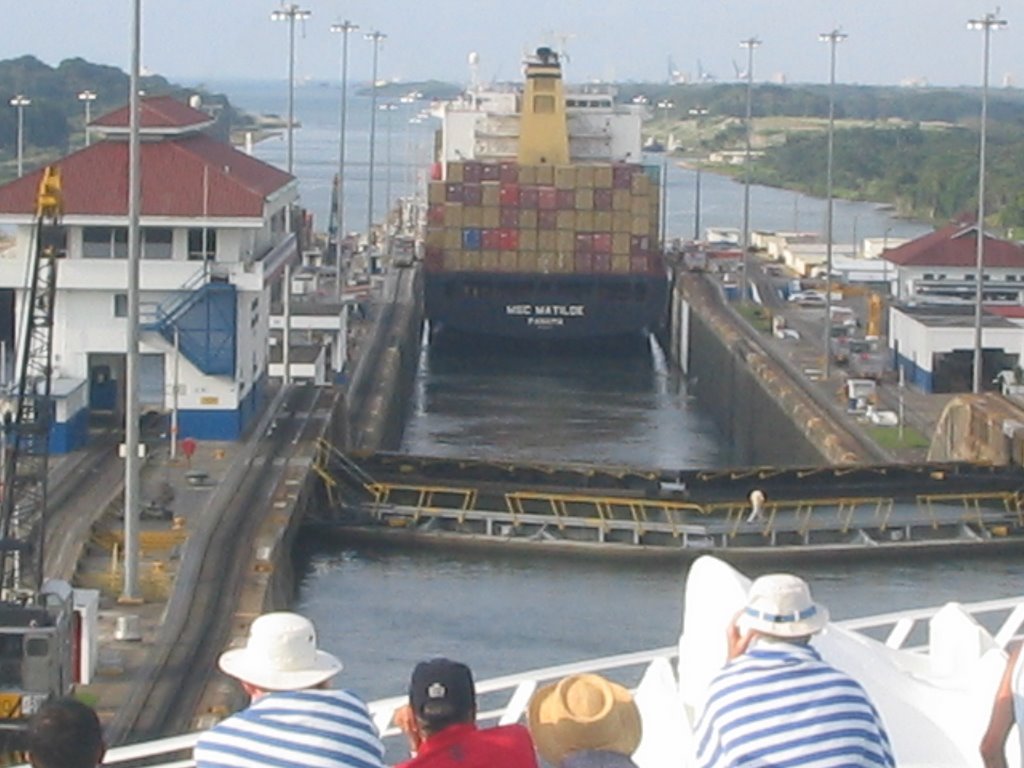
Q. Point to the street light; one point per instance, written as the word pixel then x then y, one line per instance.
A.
pixel 986 24
pixel 750 44
pixel 833 38
pixel 19 102
pixel 664 105
pixel 387 107
pixel 290 13
pixel 87 97
pixel 374 37
pixel 339 219
pixel 698 113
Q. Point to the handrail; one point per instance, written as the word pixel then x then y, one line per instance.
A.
pixel 901 624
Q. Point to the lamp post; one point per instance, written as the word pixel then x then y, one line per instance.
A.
pixel 387 108
pixel 698 113
pixel 339 218
pixel 291 13
pixel 87 97
pixel 664 105
pixel 833 38
pixel 374 37
pixel 132 462
pixel 885 261
pixel 19 102
pixel 750 44
pixel 987 23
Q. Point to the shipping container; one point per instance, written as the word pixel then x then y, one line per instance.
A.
pixel 491 239
pixel 453 192
pixel 453 260
pixel 434 238
pixel 471 173
pixel 622 221
pixel 529 197
pixel 508 261
pixel 584 243
pixel 489 261
pixel 603 221
pixel 565 177
pixel 527 262
pixel 641 226
pixel 620 264
pixel 471 239
pixel 547 240
pixel 584 199
pixel 452 215
pixel 472 194
pixel 436 172
pixel 508 195
pixel 545 174
pixel 565 241
pixel 453 238
pixel 620 243
pixel 602 262
pixel 565 262
pixel 527 174
pixel 639 244
pixel 547 198
pixel 508 239
pixel 602 199
pixel 567 220
pixel 585 221
pixel 508 173
pixel 584 263
pixel 546 263
pixel 491 217
pixel 433 259
pixel 585 177
pixel 639 265
pixel 565 199
pixel 528 219
pixel 622 177
pixel 436 192
pixel 472 216
pixel 491 193
pixel 490 172
pixel 509 217
pixel 640 185
pixel 603 177
pixel 454 172
pixel 547 220
pixel 622 200
pixel 435 213
pixel 602 242
pixel 527 240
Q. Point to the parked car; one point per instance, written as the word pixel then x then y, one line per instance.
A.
pixel 808 298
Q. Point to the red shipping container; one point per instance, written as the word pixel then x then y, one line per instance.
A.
pixel 509 240
pixel 471 173
pixel 566 199
pixel 508 173
pixel 509 218
pixel 492 239
pixel 433 259
pixel 529 197
pixel 603 242
pixel 453 192
pixel 639 265
pixel 547 220
pixel 602 199
pixel 435 172
pixel 602 262
pixel 547 200
pixel 622 176
pixel 490 172
pixel 639 244
pixel 584 243
pixel 584 263
pixel 435 214
pixel 509 195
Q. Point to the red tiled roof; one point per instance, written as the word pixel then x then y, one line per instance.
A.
pixel 955 245
pixel 156 112
pixel 1005 310
pixel 95 180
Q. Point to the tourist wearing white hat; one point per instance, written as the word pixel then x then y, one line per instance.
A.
pixel 776 702
pixel 294 718
pixel 585 721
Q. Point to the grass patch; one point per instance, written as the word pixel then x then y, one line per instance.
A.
pixel 757 316
pixel 889 438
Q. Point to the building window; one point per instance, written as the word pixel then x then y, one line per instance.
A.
pixel 929 276
pixel 969 277
pixel 196 243
pixel 1011 278
pixel 120 305
pixel 105 243
pixel 157 243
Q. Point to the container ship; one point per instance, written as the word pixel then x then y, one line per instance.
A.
pixel 542 224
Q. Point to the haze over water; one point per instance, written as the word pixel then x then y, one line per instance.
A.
pixel 381 611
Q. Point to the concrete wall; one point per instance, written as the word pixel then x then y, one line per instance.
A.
pixel 988 428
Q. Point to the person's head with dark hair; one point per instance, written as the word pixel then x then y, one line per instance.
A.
pixel 441 694
pixel 65 733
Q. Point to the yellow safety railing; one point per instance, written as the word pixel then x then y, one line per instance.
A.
pixel 424 497
pixel 1012 503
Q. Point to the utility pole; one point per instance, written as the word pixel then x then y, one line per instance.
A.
pixel 833 38
pixel 374 37
pixel 290 13
pixel 698 113
pixel 750 44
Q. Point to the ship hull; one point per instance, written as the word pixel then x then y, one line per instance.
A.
pixel 545 308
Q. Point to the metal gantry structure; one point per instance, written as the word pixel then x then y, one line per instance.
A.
pixel 26 462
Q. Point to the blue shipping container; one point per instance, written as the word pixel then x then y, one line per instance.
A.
pixel 471 239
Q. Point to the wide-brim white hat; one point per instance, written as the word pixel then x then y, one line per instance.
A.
pixel 780 604
pixel 281 655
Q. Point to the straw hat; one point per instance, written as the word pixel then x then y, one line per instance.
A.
pixel 780 605
pixel 280 655
pixel 583 712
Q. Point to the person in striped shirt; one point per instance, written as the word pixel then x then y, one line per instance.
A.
pixel 294 718
pixel 776 702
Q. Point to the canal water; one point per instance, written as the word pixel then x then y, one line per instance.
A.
pixel 382 610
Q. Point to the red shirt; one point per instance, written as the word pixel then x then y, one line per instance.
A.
pixel 466 746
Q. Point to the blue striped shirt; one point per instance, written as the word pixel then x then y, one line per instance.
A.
pixel 780 706
pixel 314 728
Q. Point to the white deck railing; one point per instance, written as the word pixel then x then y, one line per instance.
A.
pixel 503 699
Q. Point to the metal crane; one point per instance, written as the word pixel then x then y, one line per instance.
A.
pixel 35 616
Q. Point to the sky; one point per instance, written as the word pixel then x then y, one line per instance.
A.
pixel 195 41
